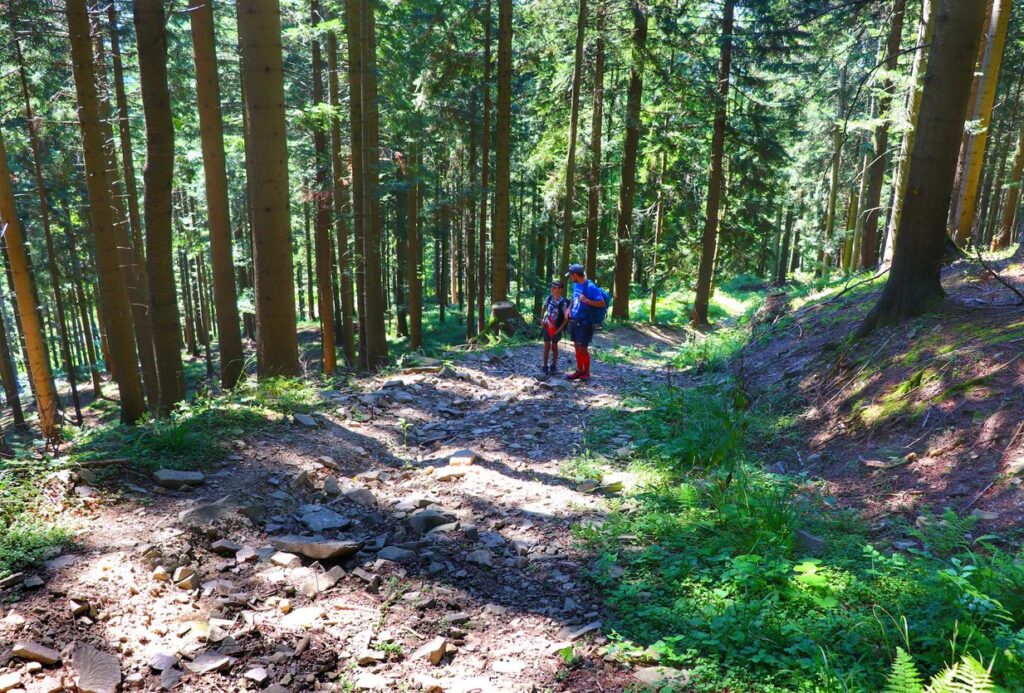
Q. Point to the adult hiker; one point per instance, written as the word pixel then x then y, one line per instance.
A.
pixel 587 309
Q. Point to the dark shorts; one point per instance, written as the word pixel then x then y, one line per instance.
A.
pixel 548 339
pixel 582 331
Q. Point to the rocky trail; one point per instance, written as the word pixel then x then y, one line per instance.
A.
pixel 415 535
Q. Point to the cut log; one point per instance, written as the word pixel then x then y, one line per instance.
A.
pixel 505 318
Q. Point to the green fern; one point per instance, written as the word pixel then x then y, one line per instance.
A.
pixel 966 676
pixel 903 675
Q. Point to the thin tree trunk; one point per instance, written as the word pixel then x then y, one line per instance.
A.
pixel 415 258
pixel 833 179
pixel 1004 237
pixel 924 37
pixel 307 229
pixel 211 129
pixel 594 183
pixel 83 307
pixel 485 154
pixel 974 156
pixel 659 222
pixel 570 158
pixel 321 200
pixel 277 351
pixel 502 157
pixel 914 282
pixel 202 299
pixel 340 195
pixel 124 127
pixel 158 176
pixel 114 293
pixel 782 268
pixel 630 147
pixel 469 253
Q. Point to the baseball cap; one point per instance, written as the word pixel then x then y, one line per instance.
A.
pixel 557 285
pixel 575 268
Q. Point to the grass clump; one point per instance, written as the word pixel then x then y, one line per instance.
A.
pixel 25 536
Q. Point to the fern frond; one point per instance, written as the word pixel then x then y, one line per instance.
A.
pixel 966 676
pixel 903 675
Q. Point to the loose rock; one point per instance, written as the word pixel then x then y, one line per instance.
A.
pixel 175 479
pixel 317 548
pixel 98 672
pixel 432 651
pixel 33 651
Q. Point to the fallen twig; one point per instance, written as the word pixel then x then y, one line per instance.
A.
pixel 1020 296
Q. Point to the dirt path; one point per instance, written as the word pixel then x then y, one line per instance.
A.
pixel 473 567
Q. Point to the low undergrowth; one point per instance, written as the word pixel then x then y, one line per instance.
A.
pixel 754 580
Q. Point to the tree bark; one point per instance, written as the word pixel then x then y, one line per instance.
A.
pixel 709 241
pixel 124 128
pixel 113 292
pixel 211 130
pixel 502 158
pixel 659 221
pixel 322 202
pixel 1003 239
pixel 158 176
pixel 469 250
pixel 974 156
pixel 570 158
pixel 340 196
pixel 28 307
pixel 630 147
pixel 259 23
pixel 415 259
pixel 914 279
pixel 353 28
pixel 485 154
pixel 594 182
pixel 871 201
pixel 924 37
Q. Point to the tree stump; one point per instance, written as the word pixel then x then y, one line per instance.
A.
pixel 506 319
pixel 775 304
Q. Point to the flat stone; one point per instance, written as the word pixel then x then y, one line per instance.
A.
pixel 397 554
pixel 425 520
pixel 462 458
pixel 573 635
pixel 33 651
pixel 186 578
pixel 12 580
pixel 316 582
pixel 319 518
pixel 317 548
pixel 258 675
pixel 9 681
pixel 658 678
pixel 225 547
pixel 481 557
pixel 588 485
pixel 432 651
pixel 809 543
pixel 170 678
pixel 162 661
pixel 207 513
pixel 305 617
pixel 305 420
pixel 411 503
pixel 362 496
pixel 332 487
pixel 246 554
pixel 450 473
pixel 206 662
pixel 175 479
pixel 98 672
pixel 368 658
pixel 33 582
pixel 286 560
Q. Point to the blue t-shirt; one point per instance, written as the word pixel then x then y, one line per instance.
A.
pixel 580 310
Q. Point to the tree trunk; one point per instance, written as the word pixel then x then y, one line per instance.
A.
pixel 485 154
pixel 833 178
pixel 858 227
pixel 28 307
pixel 322 202
pixel 502 158
pixel 124 127
pixel 211 129
pixel 570 159
pixel 659 221
pixel 158 176
pixel 709 241
pixel 113 292
pixel 871 201
pixel 630 147
pixel 981 111
pixel 353 27
pixel 83 309
pixel 259 23
pixel 924 37
pixel 594 182
pixel 469 251
pixel 1005 236
pixel 44 216
pixel 914 279
pixel 415 258
pixel 782 268
pixel 340 195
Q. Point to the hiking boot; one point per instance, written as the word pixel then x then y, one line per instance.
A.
pixel 574 376
pixel 544 370
pixel 553 370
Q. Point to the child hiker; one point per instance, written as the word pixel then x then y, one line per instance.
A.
pixel 556 317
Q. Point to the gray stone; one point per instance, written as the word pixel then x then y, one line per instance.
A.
pixel 411 503
pixel 362 496
pixel 658 678
pixel 258 675
pixel 162 661
pixel 33 582
pixel 371 682
pixel 176 478
pixel 11 580
pixel 33 651
pixel 462 458
pixel 432 651
pixel 315 582
pixel 169 679
pixel 10 681
pixel 305 420
pixel 98 672
pixel 331 486
pixel 225 547
pixel 209 661
pixel 286 560
pixel 319 518
pixel 481 557
pixel 426 519
pixel 317 548
pixel 207 513
pixel 588 485
pixel 810 544
pixel 396 554
pixel 186 578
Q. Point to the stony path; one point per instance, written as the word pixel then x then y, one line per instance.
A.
pixel 437 570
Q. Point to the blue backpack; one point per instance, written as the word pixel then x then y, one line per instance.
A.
pixel 598 314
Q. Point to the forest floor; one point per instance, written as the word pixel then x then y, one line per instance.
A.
pixel 462 577
pixel 704 513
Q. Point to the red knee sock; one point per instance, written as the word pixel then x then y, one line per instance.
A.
pixel 586 360
pixel 580 359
